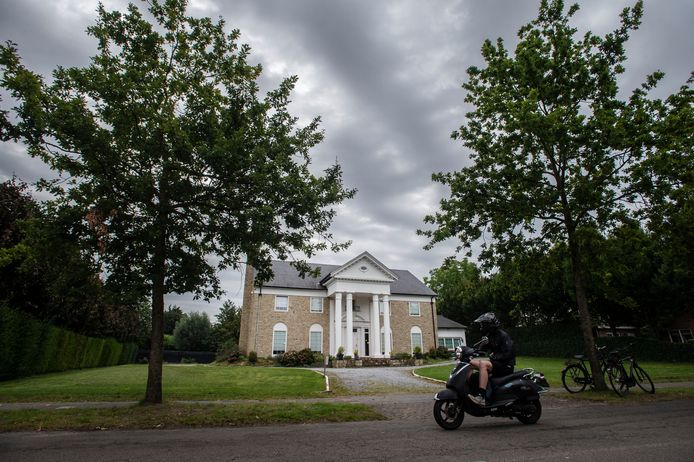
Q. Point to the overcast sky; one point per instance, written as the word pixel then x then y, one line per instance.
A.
pixel 385 77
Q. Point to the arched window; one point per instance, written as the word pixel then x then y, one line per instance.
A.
pixel 315 338
pixel 279 339
pixel 416 338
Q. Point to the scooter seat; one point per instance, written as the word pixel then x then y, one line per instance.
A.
pixel 498 381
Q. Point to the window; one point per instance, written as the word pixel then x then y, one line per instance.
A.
pixel 681 336
pixel 281 303
pixel 315 338
pixel 416 338
pixel 450 342
pixel 414 309
pixel 316 305
pixel 279 339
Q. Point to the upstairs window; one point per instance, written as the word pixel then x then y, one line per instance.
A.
pixel 281 303
pixel 316 305
pixel 414 309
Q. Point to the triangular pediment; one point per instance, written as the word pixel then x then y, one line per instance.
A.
pixel 363 268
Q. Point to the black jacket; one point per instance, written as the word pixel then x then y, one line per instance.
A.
pixel 501 345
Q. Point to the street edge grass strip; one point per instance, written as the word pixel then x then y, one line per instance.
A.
pixel 635 395
pixel 183 415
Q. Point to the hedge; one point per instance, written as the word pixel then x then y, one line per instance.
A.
pixel 29 346
pixel 564 341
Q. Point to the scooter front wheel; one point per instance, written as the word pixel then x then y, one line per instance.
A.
pixel 448 414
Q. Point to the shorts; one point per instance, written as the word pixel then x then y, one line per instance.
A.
pixel 500 369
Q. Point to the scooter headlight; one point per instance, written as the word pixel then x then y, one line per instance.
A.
pixel 458 353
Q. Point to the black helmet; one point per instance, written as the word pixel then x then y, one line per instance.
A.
pixel 488 323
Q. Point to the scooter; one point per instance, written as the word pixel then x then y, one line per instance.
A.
pixel 514 395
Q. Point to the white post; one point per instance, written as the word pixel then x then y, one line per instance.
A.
pixel 386 326
pixel 375 337
pixel 349 341
pixel 331 322
pixel 338 320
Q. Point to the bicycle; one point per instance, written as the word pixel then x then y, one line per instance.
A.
pixel 576 376
pixel 622 380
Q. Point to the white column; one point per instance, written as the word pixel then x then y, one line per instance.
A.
pixel 331 323
pixel 375 337
pixel 349 341
pixel 386 326
pixel 338 320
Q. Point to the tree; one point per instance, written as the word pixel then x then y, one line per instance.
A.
pixel 44 272
pixel 194 333
pixel 174 156
pixel 172 315
pixel 455 283
pixel 551 145
pixel 228 326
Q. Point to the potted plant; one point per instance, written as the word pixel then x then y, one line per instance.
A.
pixel 417 352
pixel 356 353
pixel 340 353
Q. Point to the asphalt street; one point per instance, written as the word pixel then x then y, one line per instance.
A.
pixel 568 430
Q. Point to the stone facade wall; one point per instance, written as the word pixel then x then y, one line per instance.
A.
pixel 401 324
pixel 298 319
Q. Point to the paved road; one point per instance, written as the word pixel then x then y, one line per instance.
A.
pixel 568 430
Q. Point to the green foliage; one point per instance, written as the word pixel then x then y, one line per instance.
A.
pixel 29 346
pixel 174 156
pixel 456 284
pixel 194 333
pixel 172 315
pixel 252 357
pixel 44 272
pixel 551 144
pixel 564 341
pixel 228 326
pixel 304 357
pixel 401 356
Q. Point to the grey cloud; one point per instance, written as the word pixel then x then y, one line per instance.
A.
pixel 386 79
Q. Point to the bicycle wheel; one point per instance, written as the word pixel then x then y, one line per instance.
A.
pixel 643 380
pixel 574 378
pixel 618 380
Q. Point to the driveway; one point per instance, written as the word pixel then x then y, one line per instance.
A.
pixel 379 379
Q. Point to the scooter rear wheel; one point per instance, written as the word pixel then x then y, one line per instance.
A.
pixel 531 417
pixel 448 414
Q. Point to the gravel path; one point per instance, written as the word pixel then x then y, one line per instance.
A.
pixel 375 379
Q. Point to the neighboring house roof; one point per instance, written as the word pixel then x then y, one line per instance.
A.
pixel 286 276
pixel 445 323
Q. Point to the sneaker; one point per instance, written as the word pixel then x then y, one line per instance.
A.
pixel 477 399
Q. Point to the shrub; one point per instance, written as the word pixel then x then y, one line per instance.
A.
pixel 252 357
pixel 233 356
pixel 296 358
pixel 29 346
pixel 402 356
pixel 187 360
pixel 194 333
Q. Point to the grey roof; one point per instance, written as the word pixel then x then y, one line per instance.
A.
pixel 446 323
pixel 286 276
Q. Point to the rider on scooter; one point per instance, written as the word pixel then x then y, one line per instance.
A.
pixel 502 356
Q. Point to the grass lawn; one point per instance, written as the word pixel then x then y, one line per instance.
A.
pixel 180 382
pixel 552 367
pixel 174 415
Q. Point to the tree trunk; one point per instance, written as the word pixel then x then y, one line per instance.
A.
pixel 586 324
pixel 156 350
